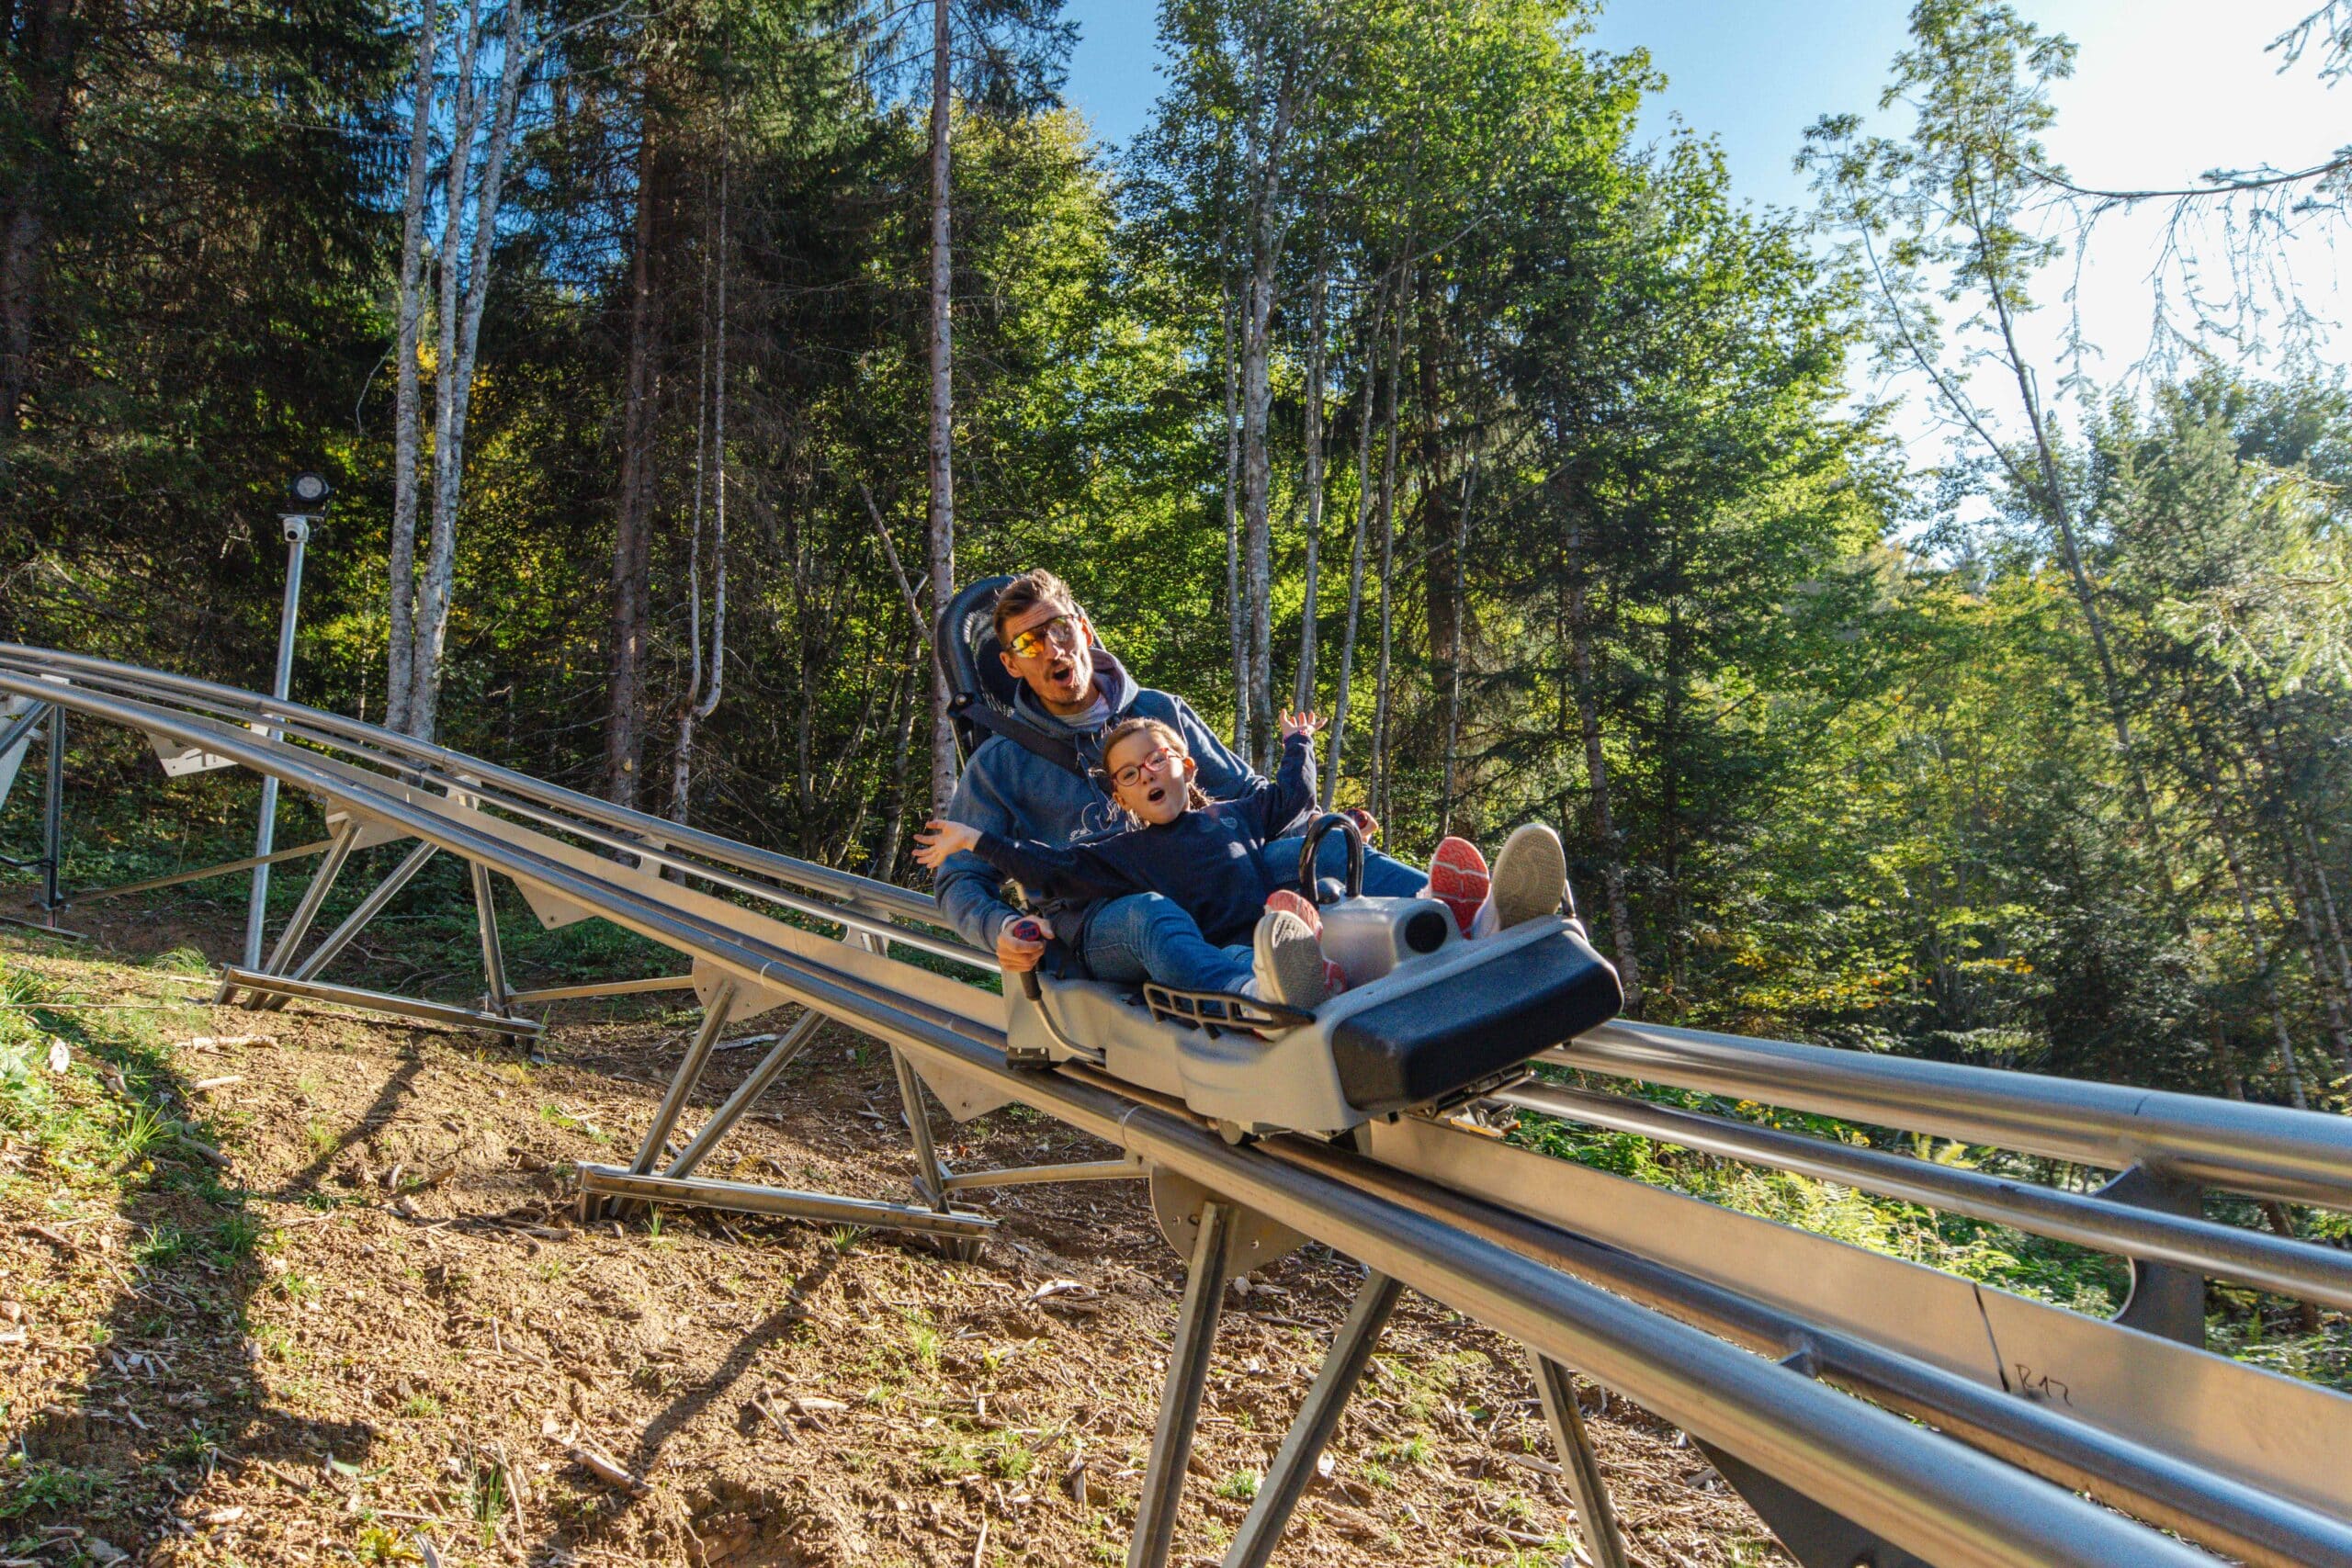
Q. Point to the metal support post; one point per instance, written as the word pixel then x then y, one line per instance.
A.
pixel 930 1176
pixel 1816 1536
pixel 17 728
pixel 53 817
pixel 1318 1416
pixel 1179 1403
pixel 1596 1519
pixel 298 534
pixel 355 922
pixel 315 897
pixel 714 1018
pixel 747 1093
pixel 493 961
pixel 2165 1299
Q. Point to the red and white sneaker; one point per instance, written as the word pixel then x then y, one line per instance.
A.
pixel 1297 904
pixel 1458 879
pixel 1335 979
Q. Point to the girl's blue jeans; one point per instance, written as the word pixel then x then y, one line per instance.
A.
pixel 1147 936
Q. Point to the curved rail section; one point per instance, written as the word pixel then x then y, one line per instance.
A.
pixel 1874 1410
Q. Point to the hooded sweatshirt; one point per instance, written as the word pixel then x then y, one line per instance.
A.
pixel 1210 860
pixel 1010 792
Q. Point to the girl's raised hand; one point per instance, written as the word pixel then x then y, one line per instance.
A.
pixel 939 839
pixel 1306 722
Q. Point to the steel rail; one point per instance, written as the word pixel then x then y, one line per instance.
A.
pixel 2267 1151
pixel 1947 1502
pixel 847 914
pixel 2269 1262
pixel 2250 1524
pixel 470 772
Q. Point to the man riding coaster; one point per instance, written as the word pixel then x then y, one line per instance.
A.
pixel 1071 689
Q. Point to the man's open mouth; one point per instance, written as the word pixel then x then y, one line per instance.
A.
pixel 1060 671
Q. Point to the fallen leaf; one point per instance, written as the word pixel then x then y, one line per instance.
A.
pixel 1071 1288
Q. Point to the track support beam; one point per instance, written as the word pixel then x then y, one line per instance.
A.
pixel 722 1121
pixel 601 988
pixel 493 958
pixel 1579 1466
pixel 603 1183
pixel 1179 1404
pixel 280 988
pixel 353 924
pixel 1293 1472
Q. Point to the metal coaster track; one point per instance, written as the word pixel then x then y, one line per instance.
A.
pixel 1989 1428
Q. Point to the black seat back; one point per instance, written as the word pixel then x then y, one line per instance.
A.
pixel 967 641
pixel 981 704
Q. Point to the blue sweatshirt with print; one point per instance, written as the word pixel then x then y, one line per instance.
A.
pixel 1012 792
pixel 1209 861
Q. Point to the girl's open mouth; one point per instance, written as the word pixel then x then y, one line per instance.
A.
pixel 1156 793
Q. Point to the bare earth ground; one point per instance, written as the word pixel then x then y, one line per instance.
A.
pixel 371 1330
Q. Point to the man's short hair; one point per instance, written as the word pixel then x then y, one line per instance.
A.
pixel 1025 593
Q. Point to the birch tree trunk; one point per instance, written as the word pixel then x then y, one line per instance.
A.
pixel 692 712
pixel 1604 824
pixel 433 598
pixel 1303 691
pixel 943 408
pixel 406 439
pixel 1454 659
pixel 631 610
pixel 1379 779
pixel 1235 616
pixel 1355 551
pixel 1257 400
pixel 886 862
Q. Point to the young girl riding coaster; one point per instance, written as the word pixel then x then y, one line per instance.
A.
pixel 1222 918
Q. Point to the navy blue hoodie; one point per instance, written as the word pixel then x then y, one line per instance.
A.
pixel 1209 861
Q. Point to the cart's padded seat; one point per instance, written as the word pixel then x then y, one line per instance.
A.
pixel 1430 1042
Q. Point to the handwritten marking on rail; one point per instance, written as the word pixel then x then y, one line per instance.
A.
pixel 2042 1386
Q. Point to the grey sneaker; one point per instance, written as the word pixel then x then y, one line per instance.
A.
pixel 1288 962
pixel 1531 878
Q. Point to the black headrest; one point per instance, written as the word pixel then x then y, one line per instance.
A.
pixel 968 642
pixel 967 638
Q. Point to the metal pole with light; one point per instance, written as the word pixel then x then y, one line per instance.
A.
pixel 307 503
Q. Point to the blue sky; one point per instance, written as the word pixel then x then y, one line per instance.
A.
pixel 2163 90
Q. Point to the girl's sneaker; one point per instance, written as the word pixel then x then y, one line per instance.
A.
pixel 1530 879
pixel 1297 904
pixel 1335 979
pixel 1458 879
pixel 1288 962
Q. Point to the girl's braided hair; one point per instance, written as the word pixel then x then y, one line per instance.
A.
pixel 1127 728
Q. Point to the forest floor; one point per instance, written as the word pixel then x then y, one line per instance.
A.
pixel 306 1287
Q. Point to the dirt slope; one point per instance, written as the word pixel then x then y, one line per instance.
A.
pixel 371 1330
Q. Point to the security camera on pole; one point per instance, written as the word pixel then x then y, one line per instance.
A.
pixel 306 503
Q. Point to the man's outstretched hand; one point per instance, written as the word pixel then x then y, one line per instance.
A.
pixel 1016 948
pixel 939 839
